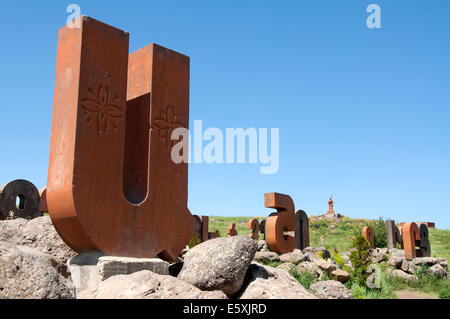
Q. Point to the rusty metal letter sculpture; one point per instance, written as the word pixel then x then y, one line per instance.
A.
pixel 282 221
pixel 411 239
pixel 112 185
pixel 301 230
pixel 231 231
pixel 28 200
pixel 253 224
pixel 393 235
pixel 367 232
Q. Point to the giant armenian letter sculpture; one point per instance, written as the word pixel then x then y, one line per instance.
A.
pixel 112 185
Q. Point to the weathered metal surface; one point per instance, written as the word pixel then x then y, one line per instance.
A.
pixel 231 231
pixel 253 224
pixel 43 200
pixel 411 239
pixel 28 195
pixel 283 221
pixel 112 185
pixel 301 230
pixel 367 232
pixel 393 235
pixel 425 247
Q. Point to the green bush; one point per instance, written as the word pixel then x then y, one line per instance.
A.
pixel 337 258
pixel 379 233
pixel 306 279
pixel 360 259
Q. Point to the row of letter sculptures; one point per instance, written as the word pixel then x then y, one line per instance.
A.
pixel 412 238
pixel 112 185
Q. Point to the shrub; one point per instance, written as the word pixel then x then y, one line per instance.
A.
pixel 360 259
pixel 337 258
pixel 306 279
pixel 379 233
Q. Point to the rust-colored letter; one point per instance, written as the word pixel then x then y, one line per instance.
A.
pixel 231 231
pixel 253 224
pixel 28 196
pixel 282 221
pixel 112 185
pixel 411 239
pixel 367 232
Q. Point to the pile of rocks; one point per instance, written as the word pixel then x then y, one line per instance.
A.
pixel 316 261
pixel 407 269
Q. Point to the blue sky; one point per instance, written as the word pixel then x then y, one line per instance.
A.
pixel 363 113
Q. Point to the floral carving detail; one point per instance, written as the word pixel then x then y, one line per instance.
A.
pixel 167 123
pixel 103 105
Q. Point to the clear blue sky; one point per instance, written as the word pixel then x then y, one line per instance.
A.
pixel 363 114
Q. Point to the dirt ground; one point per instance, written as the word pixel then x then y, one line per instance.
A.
pixel 406 294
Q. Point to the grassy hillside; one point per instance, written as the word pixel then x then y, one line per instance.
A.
pixel 333 234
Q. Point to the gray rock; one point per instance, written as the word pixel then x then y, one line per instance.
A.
pixel 340 275
pixel 266 255
pixel 325 265
pixel 263 282
pixel 26 273
pixel 331 289
pixel 109 266
pixel 147 285
pixel 310 267
pixel 83 270
pixel 430 261
pixel 401 274
pixel 294 257
pixel 396 261
pixel 437 271
pixel 313 251
pixel 286 267
pixel 408 266
pixel 378 255
pixel 40 234
pixel 219 264
pixel 262 245
pixel 396 252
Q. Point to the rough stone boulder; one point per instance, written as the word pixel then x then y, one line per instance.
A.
pixel 396 261
pixel 219 264
pixel 147 285
pixel 331 289
pixel 294 257
pixel 401 274
pixel 378 255
pixel 408 266
pixel 310 267
pixel 262 245
pixel 437 271
pixel 266 255
pixel 314 252
pixel 263 282
pixel 325 265
pixel 40 234
pixel 286 266
pixel 340 275
pixel 28 273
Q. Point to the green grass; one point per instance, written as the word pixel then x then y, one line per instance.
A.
pixel 440 243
